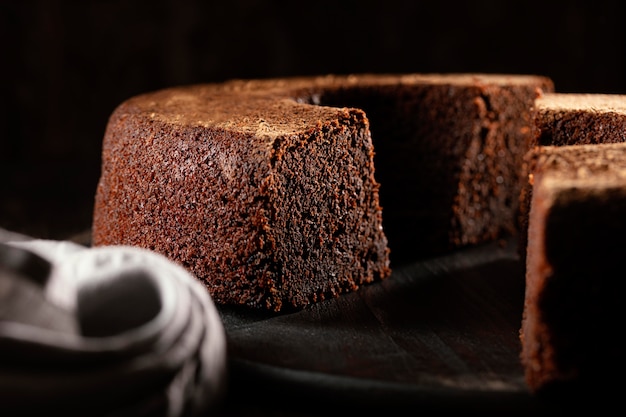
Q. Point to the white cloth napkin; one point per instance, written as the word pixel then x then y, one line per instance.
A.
pixel 105 331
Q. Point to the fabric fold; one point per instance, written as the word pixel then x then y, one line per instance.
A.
pixel 147 338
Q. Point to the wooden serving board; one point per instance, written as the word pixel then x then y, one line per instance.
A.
pixel 440 334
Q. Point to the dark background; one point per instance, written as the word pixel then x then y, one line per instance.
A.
pixel 65 65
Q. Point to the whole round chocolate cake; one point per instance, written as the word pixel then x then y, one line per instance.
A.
pixel 272 191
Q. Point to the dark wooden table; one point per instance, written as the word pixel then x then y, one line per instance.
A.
pixel 440 335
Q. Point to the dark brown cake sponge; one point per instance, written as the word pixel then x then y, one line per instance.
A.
pixel 267 211
pixel 449 150
pixel 562 119
pixel 574 262
pixel 265 189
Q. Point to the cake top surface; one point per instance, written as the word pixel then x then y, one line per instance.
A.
pixel 212 106
pixel 259 106
pixel 460 79
pixel 581 166
pixel 600 103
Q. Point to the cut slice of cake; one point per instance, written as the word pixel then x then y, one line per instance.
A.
pixel 573 311
pixel 271 203
pixel 579 119
pixel 560 119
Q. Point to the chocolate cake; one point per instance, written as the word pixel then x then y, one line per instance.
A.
pixel 575 245
pixel 448 150
pixel 579 119
pixel 560 119
pixel 272 191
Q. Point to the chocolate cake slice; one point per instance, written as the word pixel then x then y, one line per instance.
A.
pixel 268 210
pixel 579 119
pixel 574 261
pixel 560 119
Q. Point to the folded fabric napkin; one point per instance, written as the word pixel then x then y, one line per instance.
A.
pixel 105 331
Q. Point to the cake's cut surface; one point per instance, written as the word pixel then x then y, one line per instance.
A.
pixel 572 253
pixel 560 119
pixel 267 212
pixel 576 243
pixel 266 189
pixel 578 119
pixel 448 150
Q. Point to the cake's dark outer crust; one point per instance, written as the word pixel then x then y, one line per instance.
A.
pixel 265 189
pixel 575 258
